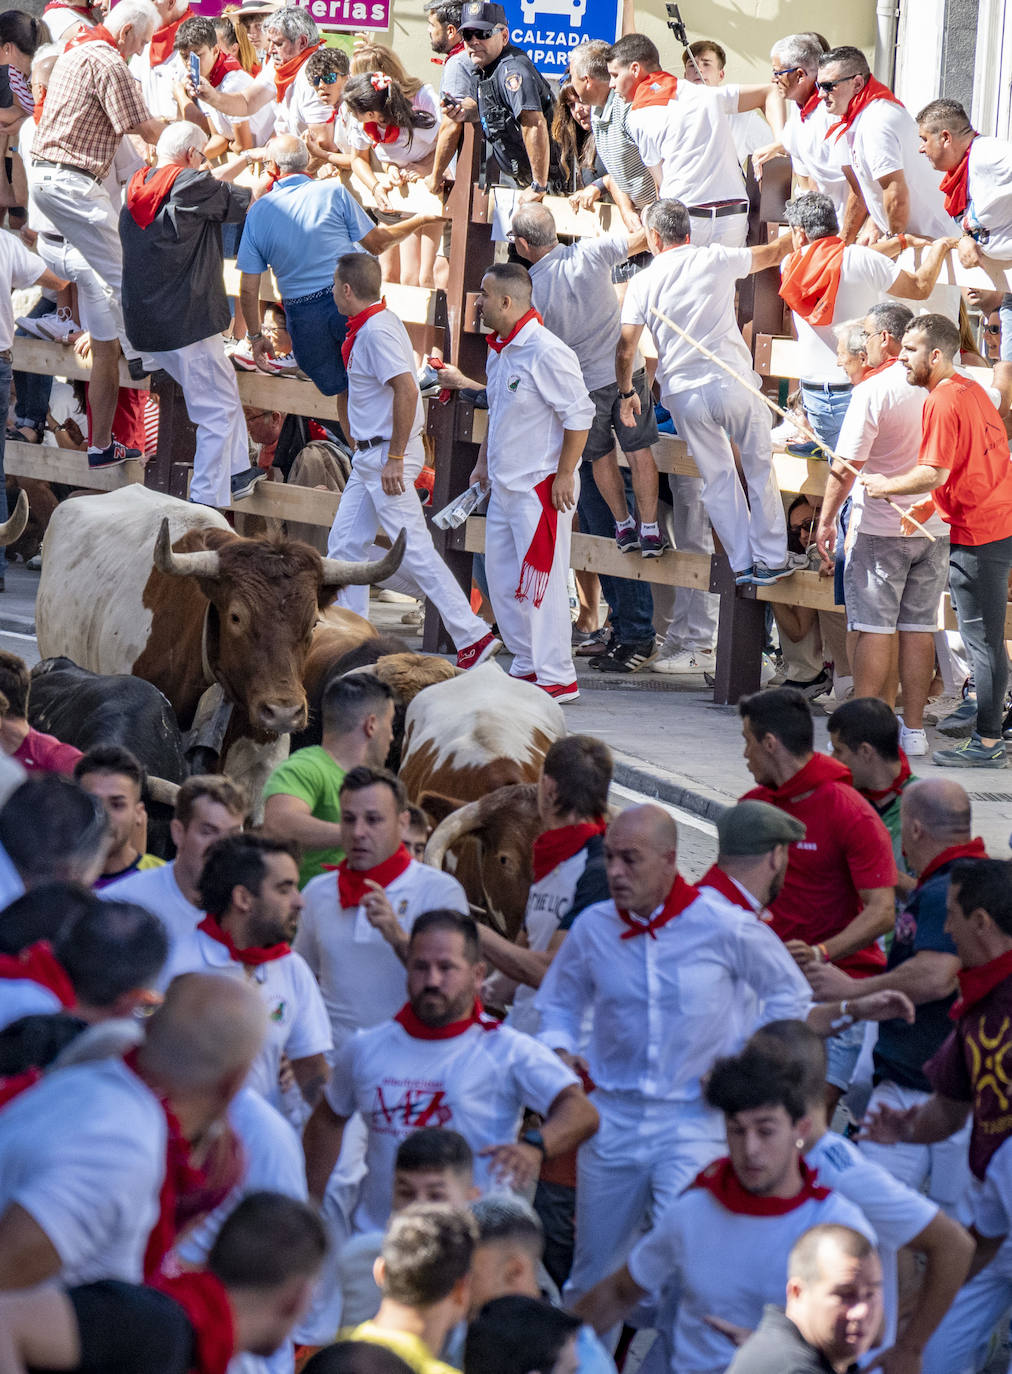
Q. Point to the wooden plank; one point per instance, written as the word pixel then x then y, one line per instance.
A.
pixel 603 218
pixel 783 357
pixel 59 360
pixel 48 463
pixel 413 199
pixel 267 391
pixel 282 501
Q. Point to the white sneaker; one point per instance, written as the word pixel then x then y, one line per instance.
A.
pixel 285 362
pixel 60 326
pixel 30 324
pixel 914 743
pixel 684 663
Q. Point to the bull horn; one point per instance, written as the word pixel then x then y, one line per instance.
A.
pixel 204 563
pixel 12 529
pixel 338 573
pixel 456 825
pixel 161 790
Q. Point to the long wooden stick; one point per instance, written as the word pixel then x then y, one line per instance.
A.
pixel 836 457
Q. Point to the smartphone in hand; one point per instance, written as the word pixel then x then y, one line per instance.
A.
pixel 195 70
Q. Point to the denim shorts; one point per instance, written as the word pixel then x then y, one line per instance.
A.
pixel 842 1053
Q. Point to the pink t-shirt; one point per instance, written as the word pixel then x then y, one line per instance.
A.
pixel 40 753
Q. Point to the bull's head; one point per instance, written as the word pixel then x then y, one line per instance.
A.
pixel 264 600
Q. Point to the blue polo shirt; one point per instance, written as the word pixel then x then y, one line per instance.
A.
pixel 300 229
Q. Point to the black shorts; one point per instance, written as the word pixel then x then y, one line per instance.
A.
pixel 607 427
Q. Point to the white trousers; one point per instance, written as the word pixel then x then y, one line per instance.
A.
pixel 942 1170
pixel 730 230
pixel 752 530
pixel 364 508
pixel 961 1340
pixel 693 623
pixel 643 1155
pixel 211 393
pixel 538 637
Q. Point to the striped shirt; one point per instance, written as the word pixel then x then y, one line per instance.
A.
pixel 617 149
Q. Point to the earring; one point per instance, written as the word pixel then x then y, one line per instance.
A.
pixel 800 1144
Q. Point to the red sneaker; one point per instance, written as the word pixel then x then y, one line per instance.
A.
pixel 560 691
pixel 523 677
pixel 478 652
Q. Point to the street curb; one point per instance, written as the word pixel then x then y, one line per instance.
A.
pixel 17 624
pixel 653 785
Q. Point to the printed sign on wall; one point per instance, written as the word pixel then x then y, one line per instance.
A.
pixel 549 30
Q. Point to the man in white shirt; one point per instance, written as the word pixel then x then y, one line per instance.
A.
pixel 440 1062
pixel 695 287
pixel 386 418
pixel 684 137
pixel 704 63
pixel 249 887
pixel 158 67
pixel 208 807
pixel 893 581
pixel 198 37
pixel 83 1152
pixel 539 418
pixel 659 971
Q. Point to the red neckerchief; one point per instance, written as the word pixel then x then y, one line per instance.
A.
pixel 13 1087
pixel 38 964
pixel 223 64
pixel 83 10
pixel 351 882
pixel 658 88
pixel 204 1299
pixel 418 1030
pixel 870 91
pixel 188 1192
pixel 955 184
pixel 355 323
pixel 682 894
pixel 976 983
pixel 973 849
pixel 381 133
pixel 810 279
pixel 496 344
pixel 554 847
pixel 810 105
pixel 286 73
pixel 536 568
pixel 147 189
pixel 874 371
pixel 877 795
pixel 720 1179
pixel 40 103
pixel 252 955
pixel 162 40
pixel 717 879
pixel 98 34
pixel 820 768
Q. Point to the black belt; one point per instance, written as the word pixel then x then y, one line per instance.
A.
pixel 65 167
pixel 51 238
pixel 826 386
pixel 374 442
pixel 720 209
pixel 6 356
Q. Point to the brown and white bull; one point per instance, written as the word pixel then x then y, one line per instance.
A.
pixel 134 581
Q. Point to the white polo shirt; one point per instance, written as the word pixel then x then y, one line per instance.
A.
pixel 18 269
pixel 815 156
pixel 865 279
pixel 726 1263
pixel 24 997
pixel 156 82
pixel 882 140
pixel 477 1083
pixel 157 891
pixel 360 976
pixel 297 1019
pixel 690 140
pixel 261 123
pixel 83 1153
pixel 403 151
pixel 381 350
pixel 535 391
pixel 990 188
pixel 301 107
pixel 695 286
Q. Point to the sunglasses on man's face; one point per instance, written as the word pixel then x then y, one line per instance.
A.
pixel 828 86
pixel 328 79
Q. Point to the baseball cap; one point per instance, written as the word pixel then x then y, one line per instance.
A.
pixel 482 15
pixel 754 827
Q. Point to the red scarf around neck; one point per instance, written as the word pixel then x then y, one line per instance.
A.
pixel 223 64
pixel 810 279
pixel 98 34
pixel 682 894
pixel 252 955
pixel 497 344
pixel 39 106
pixel 872 90
pixel 536 568
pixel 973 849
pixel 720 1179
pixel 874 371
pixel 204 1299
pixel 878 795
pixel 658 88
pixel 717 879
pixel 286 72
pixel 83 10
pixel 418 1030
pixel 820 768
pixel 355 323
pixel 955 184
pixel 554 847
pixel 352 882
pixel 147 189
pixel 976 983
pixel 381 133
pixel 162 40
pixel 38 964
pixel 806 110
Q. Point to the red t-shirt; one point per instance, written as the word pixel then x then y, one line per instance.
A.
pixel 962 431
pixel 40 753
pixel 846 850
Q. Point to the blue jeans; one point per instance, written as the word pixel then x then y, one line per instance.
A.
pixel 317 328
pixel 631 602
pixel 5 391
pixel 32 390
pixel 826 410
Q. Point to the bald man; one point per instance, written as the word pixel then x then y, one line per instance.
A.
pixel 83 1153
pixel 664 997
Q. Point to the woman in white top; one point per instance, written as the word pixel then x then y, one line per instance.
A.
pixel 395 132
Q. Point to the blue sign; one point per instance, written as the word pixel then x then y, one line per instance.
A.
pixel 549 30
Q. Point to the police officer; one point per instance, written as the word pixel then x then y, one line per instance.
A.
pixel 514 101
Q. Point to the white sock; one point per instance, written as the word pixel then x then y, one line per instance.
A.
pixel 646 528
pixel 627 524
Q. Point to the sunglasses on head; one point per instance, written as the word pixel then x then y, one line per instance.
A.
pixel 328 79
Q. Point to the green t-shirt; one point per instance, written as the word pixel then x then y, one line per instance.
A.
pixel 312 776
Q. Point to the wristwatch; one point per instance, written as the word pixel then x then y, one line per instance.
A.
pixel 252 338
pixel 536 1139
pixel 537 186
pixel 626 394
